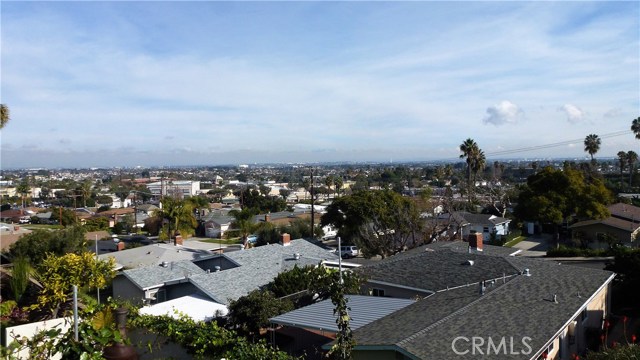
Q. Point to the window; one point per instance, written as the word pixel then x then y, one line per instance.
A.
pixel 485 229
pixel 377 292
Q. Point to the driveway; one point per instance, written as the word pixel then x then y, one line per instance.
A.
pixel 534 246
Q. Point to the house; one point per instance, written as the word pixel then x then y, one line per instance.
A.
pixel 478 301
pixel 147 209
pixel 484 224
pixel 150 255
pixel 219 278
pixel 216 224
pixel 621 227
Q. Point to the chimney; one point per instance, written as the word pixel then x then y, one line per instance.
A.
pixel 179 240
pixel 267 218
pixel 475 241
pixel 286 239
pixel 120 245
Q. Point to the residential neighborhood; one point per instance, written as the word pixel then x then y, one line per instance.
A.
pixel 311 180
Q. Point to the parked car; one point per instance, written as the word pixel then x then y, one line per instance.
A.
pixel 349 251
pixel 252 239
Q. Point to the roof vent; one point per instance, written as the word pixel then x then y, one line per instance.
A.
pixel 469 263
pixel 165 264
pixel 217 268
pixel 555 298
pixel 526 272
pixel 208 271
pixel 296 256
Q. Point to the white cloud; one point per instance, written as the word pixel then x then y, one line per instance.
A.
pixel 574 113
pixel 613 113
pixel 505 112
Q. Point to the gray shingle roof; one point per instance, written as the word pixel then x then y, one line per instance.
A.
pixel 521 306
pixel 154 254
pixel 363 310
pixel 437 270
pixel 258 266
pixel 154 276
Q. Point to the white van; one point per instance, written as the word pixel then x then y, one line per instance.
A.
pixel 349 251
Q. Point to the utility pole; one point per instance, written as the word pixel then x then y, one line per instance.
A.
pixel 312 206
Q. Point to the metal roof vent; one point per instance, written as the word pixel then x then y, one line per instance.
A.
pixel 217 268
pixel 555 298
pixel 469 262
pixel 164 264
pixel 296 256
pixel 526 272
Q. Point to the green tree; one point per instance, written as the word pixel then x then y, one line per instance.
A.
pixel 252 312
pixel 632 158
pixel 553 196
pixel 635 127
pixel 474 156
pixel 96 224
pixel 179 217
pixel 592 145
pixel 198 203
pixel 57 274
pixel 244 223
pixel 622 160
pixel 62 215
pixel 381 222
pixel 337 185
pixel 5 116
pixel 85 190
pixel 23 189
pixel 36 245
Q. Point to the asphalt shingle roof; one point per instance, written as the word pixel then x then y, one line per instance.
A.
pixel 437 270
pixel 258 266
pixel 517 307
pixel 154 276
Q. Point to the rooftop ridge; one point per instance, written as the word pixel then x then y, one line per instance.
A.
pixel 446 318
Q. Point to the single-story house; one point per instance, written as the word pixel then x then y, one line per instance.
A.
pixel 621 227
pixel 220 278
pixel 478 302
pixel 484 224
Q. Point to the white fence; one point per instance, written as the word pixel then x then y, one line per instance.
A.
pixel 29 330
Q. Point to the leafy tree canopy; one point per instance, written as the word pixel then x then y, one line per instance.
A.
pixel 36 245
pixel 551 196
pixel 381 222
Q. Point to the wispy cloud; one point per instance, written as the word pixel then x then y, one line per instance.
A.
pixel 185 75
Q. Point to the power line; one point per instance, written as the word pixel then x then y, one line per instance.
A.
pixel 557 144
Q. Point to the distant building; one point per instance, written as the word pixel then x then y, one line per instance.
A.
pixel 183 188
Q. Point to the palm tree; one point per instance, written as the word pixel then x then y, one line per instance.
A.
pixel 85 189
pixel 479 163
pixel 4 115
pixel 475 160
pixel 622 158
pixel 328 182
pixel 592 145
pixel 632 157
pixel 635 127
pixel 337 185
pixel 179 216
pixel 198 203
pixel 243 223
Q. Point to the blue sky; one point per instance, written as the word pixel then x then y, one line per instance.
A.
pixel 204 83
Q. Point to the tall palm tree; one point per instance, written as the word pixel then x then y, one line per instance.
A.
pixel 328 182
pixel 337 185
pixel 85 189
pixel 479 163
pixel 622 158
pixel 468 149
pixel 4 115
pixel 474 158
pixel 592 144
pixel 632 157
pixel 179 216
pixel 635 127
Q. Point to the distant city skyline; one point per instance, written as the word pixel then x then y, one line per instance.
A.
pixel 103 84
